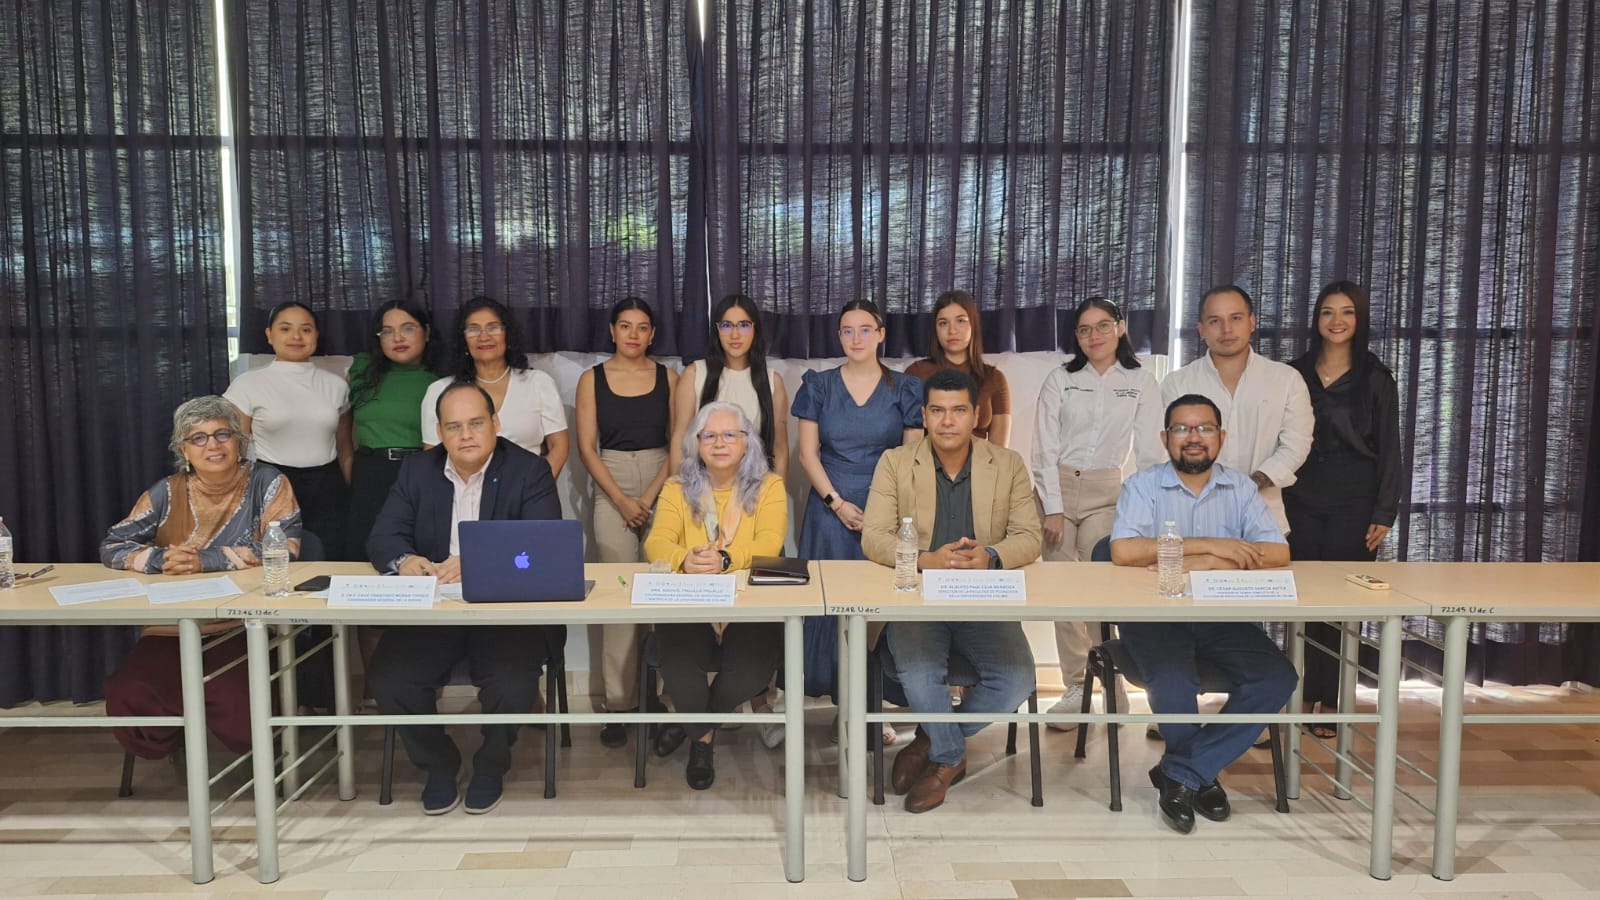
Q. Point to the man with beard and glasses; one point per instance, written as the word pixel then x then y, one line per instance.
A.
pixel 1225 525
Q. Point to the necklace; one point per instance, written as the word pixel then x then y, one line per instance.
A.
pixel 502 377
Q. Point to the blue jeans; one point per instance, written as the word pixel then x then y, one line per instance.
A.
pixel 999 654
pixel 1167 653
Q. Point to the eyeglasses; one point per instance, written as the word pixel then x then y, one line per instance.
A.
pixel 1104 327
pixel 1185 430
pixel 200 439
pixel 865 332
pixel 727 437
pixel 746 326
pixel 407 331
pixel 494 330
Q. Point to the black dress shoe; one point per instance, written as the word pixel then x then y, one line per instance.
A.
pixel 1211 801
pixel 668 739
pixel 1176 801
pixel 702 770
pixel 613 735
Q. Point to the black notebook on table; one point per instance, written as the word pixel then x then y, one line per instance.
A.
pixel 779 570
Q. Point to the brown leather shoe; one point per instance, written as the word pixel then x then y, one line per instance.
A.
pixel 935 782
pixel 909 763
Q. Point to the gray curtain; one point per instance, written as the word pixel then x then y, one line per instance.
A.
pixel 111 274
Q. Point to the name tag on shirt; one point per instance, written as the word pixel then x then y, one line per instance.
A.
pixel 406 591
pixel 684 590
pixel 974 586
pixel 1270 585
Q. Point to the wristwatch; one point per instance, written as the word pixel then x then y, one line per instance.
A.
pixel 727 561
pixel 994 558
pixel 828 501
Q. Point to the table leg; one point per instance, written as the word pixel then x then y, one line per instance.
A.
pixel 856 746
pixel 1447 800
pixel 192 670
pixel 344 739
pixel 1291 750
pixel 1386 748
pixel 289 704
pixel 1349 657
pixel 261 758
pixel 843 701
pixel 794 750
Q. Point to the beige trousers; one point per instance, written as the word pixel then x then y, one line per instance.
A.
pixel 1088 504
pixel 632 470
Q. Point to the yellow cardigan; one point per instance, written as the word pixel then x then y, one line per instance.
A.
pixel 674 532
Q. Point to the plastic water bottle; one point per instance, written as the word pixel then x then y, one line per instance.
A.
pixel 8 575
pixel 275 561
pixel 905 556
pixel 1170 579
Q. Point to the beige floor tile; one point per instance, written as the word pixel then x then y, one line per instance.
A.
pixel 956 890
pixel 1071 888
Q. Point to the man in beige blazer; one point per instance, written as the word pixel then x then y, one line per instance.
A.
pixel 972 505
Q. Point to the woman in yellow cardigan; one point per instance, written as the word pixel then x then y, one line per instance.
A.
pixel 723 508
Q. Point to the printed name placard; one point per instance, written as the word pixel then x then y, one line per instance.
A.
pixel 408 591
pixel 974 586
pixel 98 591
pixel 1265 585
pixel 198 589
pixel 684 590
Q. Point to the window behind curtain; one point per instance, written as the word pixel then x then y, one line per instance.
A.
pixel 536 153
pixel 893 151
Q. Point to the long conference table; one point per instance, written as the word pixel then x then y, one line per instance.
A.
pixel 859 592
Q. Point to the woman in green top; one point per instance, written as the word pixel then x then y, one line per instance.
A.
pixel 386 387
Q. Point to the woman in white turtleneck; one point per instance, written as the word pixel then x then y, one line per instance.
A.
pixel 292 411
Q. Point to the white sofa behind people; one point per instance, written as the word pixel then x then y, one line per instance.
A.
pixel 1025 373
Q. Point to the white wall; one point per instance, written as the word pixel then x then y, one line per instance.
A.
pixel 1025 373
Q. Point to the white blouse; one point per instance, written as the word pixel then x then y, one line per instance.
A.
pixel 532 410
pixel 294 411
pixel 1089 421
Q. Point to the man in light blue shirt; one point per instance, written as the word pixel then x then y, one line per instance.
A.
pixel 1225 525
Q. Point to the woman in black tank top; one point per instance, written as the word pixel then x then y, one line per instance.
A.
pixel 624 423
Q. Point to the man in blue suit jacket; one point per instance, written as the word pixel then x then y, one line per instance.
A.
pixel 474 474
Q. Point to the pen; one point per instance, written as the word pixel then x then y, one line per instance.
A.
pixel 622 581
pixel 42 571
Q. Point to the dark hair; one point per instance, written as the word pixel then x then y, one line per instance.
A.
pixel 871 309
pixel 1249 304
pixel 715 361
pixel 461 385
pixel 1358 344
pixel 974 366
pixel 516 356
pixel 1124 346
pixel 950 380
pixel 281 308
pixel 627 303
pixel 1191 400
pixel 364 387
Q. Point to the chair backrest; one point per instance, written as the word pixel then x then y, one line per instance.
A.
pixel 1101 551
pixel 311 548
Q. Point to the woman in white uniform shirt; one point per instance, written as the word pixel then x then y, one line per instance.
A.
pixel 489 350
pixel 1093 411
pixel 735 370
pixel 291 409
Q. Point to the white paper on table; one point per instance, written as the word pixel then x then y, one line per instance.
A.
pixel 406 591
pixel 974 586
pixel 198 589
pixel 684 590
pixel 1266 585
pixel 450 591
pixel 98 591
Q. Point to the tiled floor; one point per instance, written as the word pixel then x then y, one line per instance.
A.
pixel 1530 826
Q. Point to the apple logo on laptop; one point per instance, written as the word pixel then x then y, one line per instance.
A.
pixel 522 560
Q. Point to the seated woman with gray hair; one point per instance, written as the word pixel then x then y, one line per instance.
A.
pixel 723 508
pixel 210 516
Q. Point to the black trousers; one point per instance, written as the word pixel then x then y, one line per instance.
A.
pixel 744 663
pixel 413 662
pixel 1329 507
pixel 371 477
pixel 324 500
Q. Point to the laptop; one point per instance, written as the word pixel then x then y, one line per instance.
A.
pixel 516 561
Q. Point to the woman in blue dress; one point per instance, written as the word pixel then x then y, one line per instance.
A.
pixel 848 417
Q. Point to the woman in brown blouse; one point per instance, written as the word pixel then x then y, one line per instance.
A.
pixel 958 344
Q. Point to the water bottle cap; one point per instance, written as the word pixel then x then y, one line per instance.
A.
pixel 274 524
pixel 905 520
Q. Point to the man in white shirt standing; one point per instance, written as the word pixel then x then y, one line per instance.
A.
pixel 1266 408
